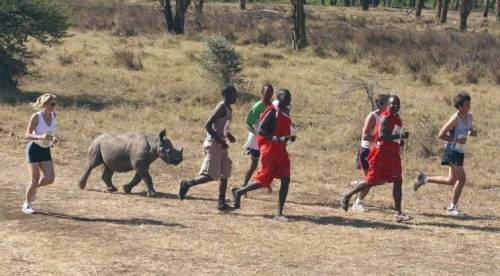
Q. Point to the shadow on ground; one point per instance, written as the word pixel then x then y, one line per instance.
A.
pixel 89 102
pixel 157 195
pixel 132 221
pixel 464 218
pixel 490 229
pixel 339 221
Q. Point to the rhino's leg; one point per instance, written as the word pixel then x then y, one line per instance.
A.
pixel 95 160
pixel 128 187
pixel 144 173
pixel 106 177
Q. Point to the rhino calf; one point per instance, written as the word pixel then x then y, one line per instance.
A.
pixel 127 152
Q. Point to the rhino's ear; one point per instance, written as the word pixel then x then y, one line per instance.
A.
pixel 163 133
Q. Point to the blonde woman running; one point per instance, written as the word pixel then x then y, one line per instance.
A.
pixel 41 135
pixel 454 134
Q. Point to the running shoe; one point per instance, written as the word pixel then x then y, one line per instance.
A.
pixel 344 202
pixel 281 218
pixel 28 209
pixel 236 199
pixel 420 181
pixel 401 217
pixel 222 206
pixel 183 189
pixel 359 206
pixel 453 210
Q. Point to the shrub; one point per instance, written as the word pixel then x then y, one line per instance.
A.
pixel 65 58
pixel 221 62
pixel 126 57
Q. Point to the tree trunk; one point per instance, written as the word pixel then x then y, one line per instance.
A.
pixel 486 8
pixel 243 5
pixel 198 13
pixel 333 2
pixel 420 5
pixel 323 2
pixel 366 4
pixel 465 9
pixel 181 7
pixel 439 8
pixel 167 13
pixel 299 25
pixel 498 11
pixel 444 12
pixel 456 5
pixel 347 3
pixel 412 3
pixel 376 3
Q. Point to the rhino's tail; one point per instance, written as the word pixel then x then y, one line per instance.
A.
pixel 95 135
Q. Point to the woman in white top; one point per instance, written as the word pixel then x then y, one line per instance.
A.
pixel 454 133
pixel 366 144
pixel 41 135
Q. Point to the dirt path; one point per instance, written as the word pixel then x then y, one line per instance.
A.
pixel 91 232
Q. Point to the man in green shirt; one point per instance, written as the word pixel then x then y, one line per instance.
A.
pixel 253 127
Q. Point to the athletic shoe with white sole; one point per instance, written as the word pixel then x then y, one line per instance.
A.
pixel 420 181
pixel 402 217
pixel 359 206
pixel 27 208
pixel 344 202
pixel 453 210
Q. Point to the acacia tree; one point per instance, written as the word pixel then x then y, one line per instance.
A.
pixel 175 24
pixel 198 13
pixel 299 25
pixel 439 8
pixel 486 8
pixel 21 20
pixel 365 4
pixel 444 12
pixel 465 10
pixel 498 11
pixel 420 5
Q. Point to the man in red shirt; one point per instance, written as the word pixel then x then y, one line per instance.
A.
pixel 274 133
pixel 384 158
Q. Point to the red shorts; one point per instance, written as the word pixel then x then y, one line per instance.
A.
pixel 384 168
pixel 271 167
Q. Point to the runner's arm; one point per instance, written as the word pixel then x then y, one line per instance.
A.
pixel 443 133
pixel 382 129
pixel 219 112
pixel 268 125
pixel 251 120
pixel 31 127
pixel 368 126
pixel 473 131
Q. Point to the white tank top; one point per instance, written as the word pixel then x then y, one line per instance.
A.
pixel 368 144
pixel 42 128
pixel 461 130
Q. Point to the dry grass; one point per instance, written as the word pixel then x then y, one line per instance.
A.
pixel 410 43
pixel 93 232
